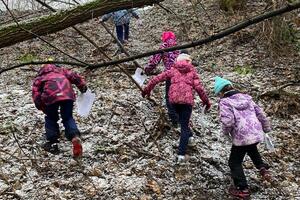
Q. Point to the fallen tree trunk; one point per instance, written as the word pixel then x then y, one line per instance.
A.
pixel 12 33
pixel 219 35
pixel 209 39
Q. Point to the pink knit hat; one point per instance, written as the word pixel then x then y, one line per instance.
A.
pixel 167 35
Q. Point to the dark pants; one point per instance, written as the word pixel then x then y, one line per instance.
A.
pixel 173 116
pixel 236 158
pixel 184 112
pixel 52 117
pixel 122 32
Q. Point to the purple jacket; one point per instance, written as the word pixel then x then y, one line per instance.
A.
pixel 243 119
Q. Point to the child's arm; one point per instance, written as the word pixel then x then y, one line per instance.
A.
pixel 37 93
pixel 200 90
pixel 226 118
pixel 106 17
pixel 154 81
pixel 134 14
pixel 75 78
pixel 262 118
pixel 153 62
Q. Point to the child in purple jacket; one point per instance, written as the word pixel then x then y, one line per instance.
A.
pixel 244 121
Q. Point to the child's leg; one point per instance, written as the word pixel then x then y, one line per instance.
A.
pixel 119 30
pixel 253 153
pixel 184 112
pixel 236 158
pixel 173 116
pixel 66 111
pixel 51 125
pixel 126 31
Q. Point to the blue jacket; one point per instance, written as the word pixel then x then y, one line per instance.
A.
pixel 121 17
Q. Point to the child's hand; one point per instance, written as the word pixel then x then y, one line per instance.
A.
pixel 139 23
pixel 207 107
pixel 83 89
pixel 145 93
pixel 147 71
pixel 228 137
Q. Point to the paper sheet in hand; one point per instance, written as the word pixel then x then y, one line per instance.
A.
pixel 138 77
pixel 84 103
pixel 268 143
pixel 203 119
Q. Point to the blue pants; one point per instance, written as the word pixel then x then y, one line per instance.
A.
pixel 52 117
pixel 184 112
pixel 122 32
pixel 173 116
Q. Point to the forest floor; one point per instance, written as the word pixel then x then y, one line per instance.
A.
pixel 126 154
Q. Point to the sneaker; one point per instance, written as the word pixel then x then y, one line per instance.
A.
pixel 236 192
pixel 265 174
pixel 51 148
pixel 77 148
pixel 192 142
pixel 180 159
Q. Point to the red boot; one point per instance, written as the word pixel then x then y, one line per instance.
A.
pixel 77 148
pixel 236 192
pixel 265 174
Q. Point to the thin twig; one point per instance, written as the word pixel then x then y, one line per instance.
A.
pixel 217 36
pixel 16 21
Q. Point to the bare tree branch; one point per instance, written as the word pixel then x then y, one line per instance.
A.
pixel 212 38
pixel 12 34
pixel 75 28
pixel 219 35
pixel 42 62
pixel 16 21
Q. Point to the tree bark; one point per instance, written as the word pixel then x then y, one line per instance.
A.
pixel 12 34
pixel 217 36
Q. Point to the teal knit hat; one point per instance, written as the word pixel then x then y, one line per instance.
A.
pixel 220 83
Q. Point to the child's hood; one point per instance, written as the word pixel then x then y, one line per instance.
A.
pixel 47 68
pixel 183 67
pixel 239 101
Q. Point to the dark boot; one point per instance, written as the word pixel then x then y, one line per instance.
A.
pixel 51 147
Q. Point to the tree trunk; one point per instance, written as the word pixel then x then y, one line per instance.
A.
pixel 12 33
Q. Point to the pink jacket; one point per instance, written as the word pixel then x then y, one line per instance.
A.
pixel 184 79
pixel 168 58
pixel 54 84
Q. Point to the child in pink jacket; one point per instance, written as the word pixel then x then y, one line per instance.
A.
pixel 168 59
pixel 184 79
pixel 52 93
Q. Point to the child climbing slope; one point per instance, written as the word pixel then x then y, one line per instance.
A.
pixel 243 121
pixel 52 91
pixel 183 79
pixel 168 58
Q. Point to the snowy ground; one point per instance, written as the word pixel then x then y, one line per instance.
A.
pixel 123 159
